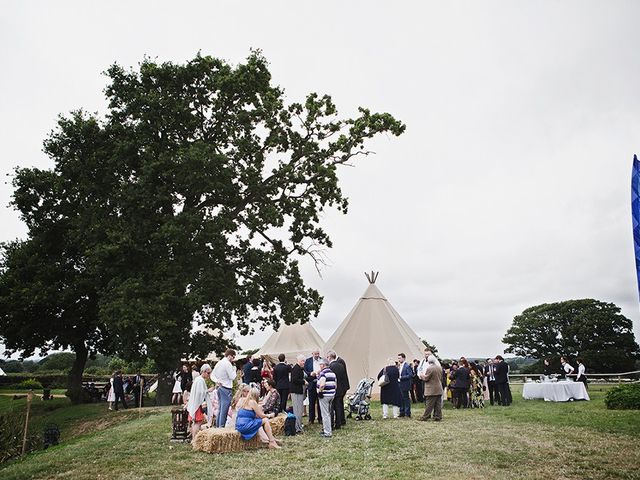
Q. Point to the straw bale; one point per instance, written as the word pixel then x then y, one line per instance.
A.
pixel 221 440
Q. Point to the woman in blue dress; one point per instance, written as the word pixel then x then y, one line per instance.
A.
pixel 252 421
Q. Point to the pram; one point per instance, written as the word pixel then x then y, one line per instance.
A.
pixel 359 402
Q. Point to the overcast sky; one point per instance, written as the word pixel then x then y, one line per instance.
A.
pixel 510 187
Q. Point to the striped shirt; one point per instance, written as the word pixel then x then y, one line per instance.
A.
pixel 329 377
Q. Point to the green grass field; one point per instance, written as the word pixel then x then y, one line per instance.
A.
pixel 530 439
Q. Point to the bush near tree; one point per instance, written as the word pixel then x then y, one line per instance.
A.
pixel 623 397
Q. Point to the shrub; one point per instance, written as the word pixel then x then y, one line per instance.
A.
pixel 11 432
pixel 623 397
pixel 29 384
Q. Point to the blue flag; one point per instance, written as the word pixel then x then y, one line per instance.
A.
pixel 635 212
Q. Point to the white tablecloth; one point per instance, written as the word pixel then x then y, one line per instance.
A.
pixel 555 391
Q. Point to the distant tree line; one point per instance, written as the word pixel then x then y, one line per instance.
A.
pixel 62 363
pixel 594 330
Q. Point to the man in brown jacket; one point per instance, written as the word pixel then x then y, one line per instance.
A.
pixel 432 390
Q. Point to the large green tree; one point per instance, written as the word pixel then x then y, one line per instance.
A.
pixel 591 329
pixel 213 191
pixel 49 285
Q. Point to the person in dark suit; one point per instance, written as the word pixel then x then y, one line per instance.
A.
pixel 246 370
pixel 489 372
pixel 296 388
pixel 281 376
pixel 501 373
pixel 342 385
pixel 138 385
pixel 311 370
pixel 417 390
pixel 460 383
pixel 118 389
pixel 406 379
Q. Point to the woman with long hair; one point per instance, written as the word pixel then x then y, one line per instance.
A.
pixel 251 420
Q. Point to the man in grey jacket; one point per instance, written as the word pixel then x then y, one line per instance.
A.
pixel 432 377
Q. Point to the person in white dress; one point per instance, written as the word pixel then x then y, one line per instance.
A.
pixel 111 396
pixel 177 389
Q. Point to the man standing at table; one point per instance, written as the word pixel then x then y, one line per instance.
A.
pixel 224 374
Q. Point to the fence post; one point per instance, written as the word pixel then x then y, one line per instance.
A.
pixel 26 422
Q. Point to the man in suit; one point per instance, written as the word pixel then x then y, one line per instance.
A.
pixel 501 372
pixel 281 376
pixel 138 385
pixel 342 385
pixel 432 378
pixel 489 372
pixel 406 377
pixel 118 389
pixel 311 370
pixel 246 370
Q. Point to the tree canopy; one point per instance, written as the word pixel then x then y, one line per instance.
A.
pixel 591 329
pixel 189 205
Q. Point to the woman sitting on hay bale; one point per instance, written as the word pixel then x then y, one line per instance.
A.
pixel 271 401
pixel 251 420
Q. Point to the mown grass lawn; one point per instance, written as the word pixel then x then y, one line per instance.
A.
pixel 530 439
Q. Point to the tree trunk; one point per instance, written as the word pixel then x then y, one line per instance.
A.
pixel 165 387
pixel 74 383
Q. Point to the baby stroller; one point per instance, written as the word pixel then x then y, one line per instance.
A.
pixel 359 402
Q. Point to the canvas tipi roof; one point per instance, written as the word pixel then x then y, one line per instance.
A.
pixel 2 374
pixel 370 334
pixel 292 340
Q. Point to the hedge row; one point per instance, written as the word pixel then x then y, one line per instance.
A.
pixel 47 381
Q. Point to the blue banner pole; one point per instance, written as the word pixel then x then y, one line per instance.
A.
pixel 635 212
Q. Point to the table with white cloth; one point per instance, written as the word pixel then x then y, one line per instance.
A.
pixel 555 391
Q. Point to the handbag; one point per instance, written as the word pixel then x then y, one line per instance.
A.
pixel 384 379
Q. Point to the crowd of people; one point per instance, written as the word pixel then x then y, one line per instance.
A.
pixel 465 384
pixel 119 387
pixel 315 387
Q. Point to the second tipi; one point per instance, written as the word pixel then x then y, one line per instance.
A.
pixel 371 333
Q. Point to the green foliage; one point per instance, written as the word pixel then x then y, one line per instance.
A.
pixel 11 436
pixel 247 353
pixel 194 199
pixel 433 348
pixel 29 384
pixel 62 361
pixel 117 364
pixel 11 366
pixel 593 330
pixel 623 397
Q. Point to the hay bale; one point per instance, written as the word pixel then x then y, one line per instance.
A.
pixel 221 440
pixel 277 425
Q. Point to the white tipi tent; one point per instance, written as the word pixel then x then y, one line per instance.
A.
pixel 2 374
pixel 373 332
pixel 291 340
